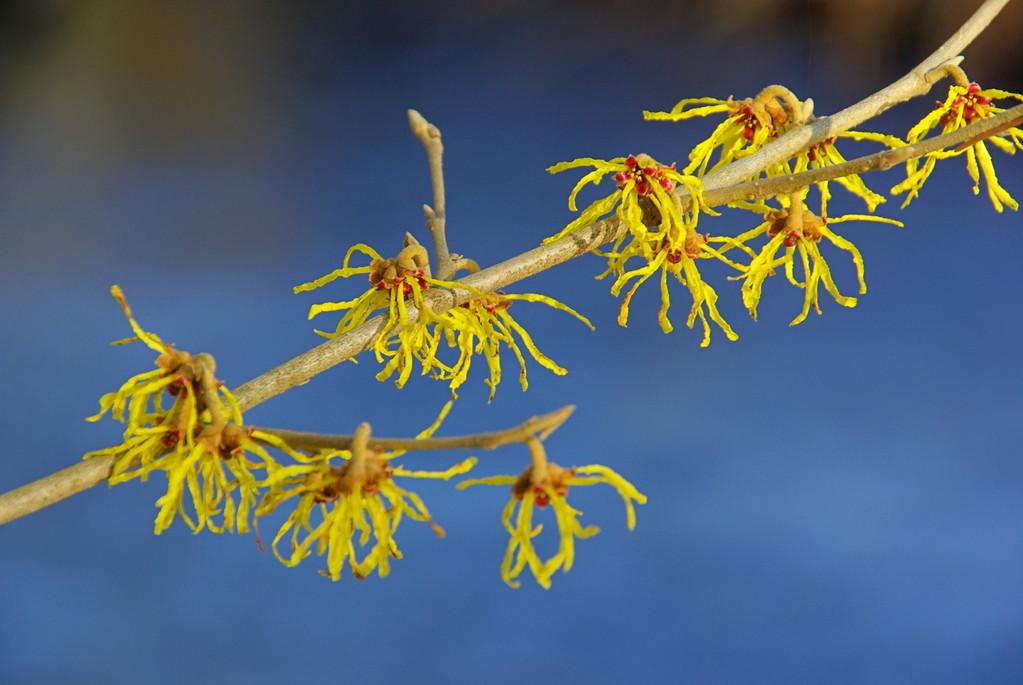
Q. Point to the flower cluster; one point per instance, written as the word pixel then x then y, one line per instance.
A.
pixel 659 231
pixel 198 442
pixel 752 122
pixel 658 209
pixel 347 495
pixel 638 178
pixel 481 325
pixel 965 103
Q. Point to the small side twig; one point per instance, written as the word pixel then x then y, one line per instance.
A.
pixel 436 216
pixel 529 429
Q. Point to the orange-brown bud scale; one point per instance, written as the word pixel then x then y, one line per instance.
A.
pixel 809 230
pixel 368 474
pixel 553 479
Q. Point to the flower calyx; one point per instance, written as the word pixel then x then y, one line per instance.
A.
pixel 769 109
pixel 412 262
pixel 543 480
pixel 366 471
pixel 799 226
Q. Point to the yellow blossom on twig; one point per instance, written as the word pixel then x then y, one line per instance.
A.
pixel 395 284
pixel 965 103
pixel 198 442
pixel 799 233
pixel 748 126
pixel 659 233
pixel 481 326
pixel 672 255
pixel 544 483
pixel 478 326
pixel 350 511
pixel 638 179
pixel 825 154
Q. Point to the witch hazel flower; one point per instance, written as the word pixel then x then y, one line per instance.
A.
pixel 541 485
pixel 348 505
pixel 213 464
pixel 640 182
pixel 965 103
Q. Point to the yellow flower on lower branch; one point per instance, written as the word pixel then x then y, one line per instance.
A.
pixel 964 104
pixel 540 486
pixel 223 473
pixel 198 442
pixel 799 235
pixel 349 512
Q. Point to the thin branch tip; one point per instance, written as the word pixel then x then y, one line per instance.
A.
pixel 417 123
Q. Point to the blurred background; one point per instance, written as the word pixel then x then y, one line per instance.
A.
pixel 840 502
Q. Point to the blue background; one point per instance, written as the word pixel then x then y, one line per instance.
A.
pixel 840 502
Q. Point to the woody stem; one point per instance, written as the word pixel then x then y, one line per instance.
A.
pixel 542 425
pixel 538 458
pixel 794 220
pixel 360 451
pixel 436 216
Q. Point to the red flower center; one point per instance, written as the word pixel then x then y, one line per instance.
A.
pixel 644 177
pixel 749 121
pixel 967 103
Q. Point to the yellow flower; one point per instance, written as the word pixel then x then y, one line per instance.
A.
pixel 481 326
pixel 352 508
pixel 198 442
pixel 825 154
pixel 659 232
pixel 749 124
pixel 673 255
pixel 964 105
pixel 148 387
pixel 394 284
pixel 799 233
pixel 541 484
pixel 745 130
pixel 639 179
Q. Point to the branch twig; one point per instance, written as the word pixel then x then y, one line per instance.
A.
pixel 545 425
pixel 79 477
pixel 436 216
pixel 914 84
pixel 879 161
